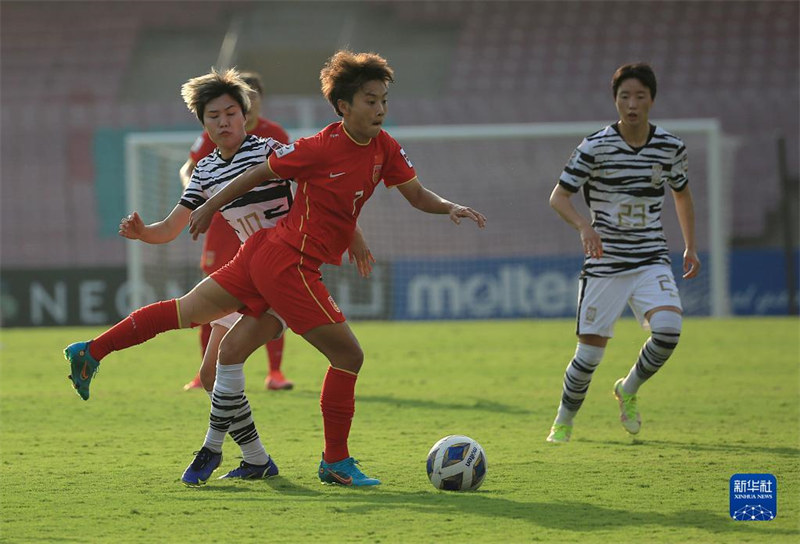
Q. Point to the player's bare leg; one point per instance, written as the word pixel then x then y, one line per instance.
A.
pixel 337 400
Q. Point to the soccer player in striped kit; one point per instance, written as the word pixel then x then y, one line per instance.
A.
pixel 624 170
pixel 220 101
pixel 220 242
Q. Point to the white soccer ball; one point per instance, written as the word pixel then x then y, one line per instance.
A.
pixel 456 463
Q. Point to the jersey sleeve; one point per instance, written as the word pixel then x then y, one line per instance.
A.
pixel 298 161
pixel 578 169
pixel 679 174
pixel 201 147
pixel 398 168
pixel 193 195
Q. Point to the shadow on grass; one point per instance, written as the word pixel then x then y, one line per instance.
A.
pixel 427 404
pixel 279 484
pixel 560 516
pixel 726 447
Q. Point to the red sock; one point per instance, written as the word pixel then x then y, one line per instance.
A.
pixel 140 326
pixel 338 403
pixel 205 335
pixel 275 354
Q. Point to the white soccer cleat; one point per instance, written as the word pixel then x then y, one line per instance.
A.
pixel 628 411
pixel 559 433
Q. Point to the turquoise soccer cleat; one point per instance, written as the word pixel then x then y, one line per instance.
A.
pixel 83 367
pixel 344 472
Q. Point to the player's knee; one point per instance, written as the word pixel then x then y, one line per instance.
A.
pixel 232 352
pixel 349 359
pixel 665 328
pixel 356 358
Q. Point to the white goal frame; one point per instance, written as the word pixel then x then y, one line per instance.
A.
pixel 718 243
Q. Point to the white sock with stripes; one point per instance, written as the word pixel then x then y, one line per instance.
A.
pixel 576 381
pixel 665 331
pixel 230 412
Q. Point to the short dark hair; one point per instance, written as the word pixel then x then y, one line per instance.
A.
pixel 346 72
pixel 254 80
pixel 639 70
pixel 199 91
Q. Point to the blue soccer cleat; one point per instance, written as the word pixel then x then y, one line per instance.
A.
pixel 204 464
pixel 83 367
pixel 344 472
pixel 246 471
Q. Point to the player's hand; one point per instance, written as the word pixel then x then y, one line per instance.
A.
pixel 458 211
pixel 131 227
pixel 592 244
pixel 200 219
pixel 359 253
pixel 691 264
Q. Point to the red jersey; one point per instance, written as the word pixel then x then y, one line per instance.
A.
pixel 265 128
pixel 335 176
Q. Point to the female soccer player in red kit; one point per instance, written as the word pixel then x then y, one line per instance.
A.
pixel 336 170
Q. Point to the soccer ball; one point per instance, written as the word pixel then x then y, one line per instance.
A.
pixel 456 463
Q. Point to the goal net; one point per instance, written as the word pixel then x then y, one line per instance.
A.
pixel 524 264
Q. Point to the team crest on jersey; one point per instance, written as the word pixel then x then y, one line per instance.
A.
pixel 376 173
pixel 655 178
pixel 408 161
pixel 282 150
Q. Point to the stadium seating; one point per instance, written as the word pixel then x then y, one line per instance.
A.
pixel 510 62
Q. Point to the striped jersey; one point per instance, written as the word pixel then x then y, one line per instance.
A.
pixel 259 208
pixel 624 188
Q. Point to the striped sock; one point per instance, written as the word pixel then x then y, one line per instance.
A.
pixel 665 333
pixel 244 433
pixel 576 381
pixel 227 399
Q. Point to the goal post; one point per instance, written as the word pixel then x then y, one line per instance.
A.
pixel 522 265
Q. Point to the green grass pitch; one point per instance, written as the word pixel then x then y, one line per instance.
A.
pixel 108 470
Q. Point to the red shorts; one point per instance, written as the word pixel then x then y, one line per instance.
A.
pixel 268 273
pixel 220 244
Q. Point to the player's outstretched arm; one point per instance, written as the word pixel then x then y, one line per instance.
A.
pixel 684 207
pixel 590 240
pixel 201 217
pixel 160 232
pixel 427 201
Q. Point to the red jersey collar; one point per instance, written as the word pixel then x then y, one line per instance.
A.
pixel 341 124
